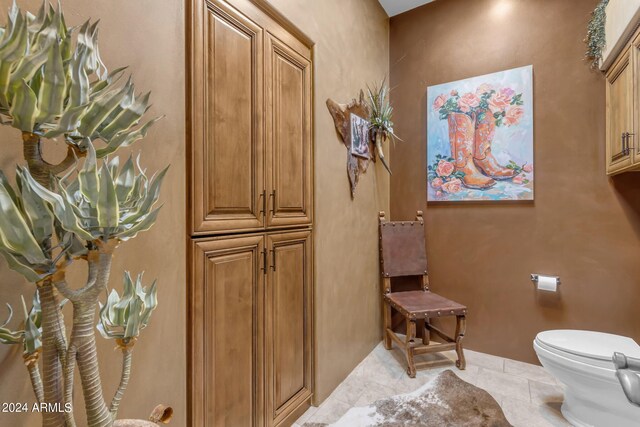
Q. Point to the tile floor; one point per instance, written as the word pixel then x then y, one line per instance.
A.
pixel 529 396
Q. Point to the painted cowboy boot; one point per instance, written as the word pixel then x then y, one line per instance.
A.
pixel 482 157
pixel 461 133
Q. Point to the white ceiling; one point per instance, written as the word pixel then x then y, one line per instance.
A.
pixel 395 7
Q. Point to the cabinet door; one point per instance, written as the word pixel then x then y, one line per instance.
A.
pixel 634 140
pixel 288 325
pixel 620 114
pixel 226 309
pixel 227 186
pixel 289 135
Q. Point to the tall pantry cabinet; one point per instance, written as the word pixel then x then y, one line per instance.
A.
pixel 251 215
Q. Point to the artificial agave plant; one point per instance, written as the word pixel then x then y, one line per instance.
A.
pixel 381 113
pixel 53 84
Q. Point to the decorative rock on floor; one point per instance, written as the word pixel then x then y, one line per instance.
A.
pixel 444 401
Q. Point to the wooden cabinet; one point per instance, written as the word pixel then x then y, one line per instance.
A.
pixel 288 304
pixel 227 327
pixel 288 134
pixel 250 120
pixel 251 317
pixel 250 188
pixel 623 110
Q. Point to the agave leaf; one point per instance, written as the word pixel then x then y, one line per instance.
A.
pixel 108 211
pixel 66 48
pixel 101 108
pixel 36 310
pixel 31 63
pixel 10 53
pixel 121 308
pixel 125 180
pixel 126 138
pixel 150 304
pixel 129 116
pixel 10 337
pixel 145 223
pixel 79 80
pixel 8 318
pixel 107 315
pixel 39 215
pixel 90 39
pixel 22 266
pixel 151 198
pixel 88 176
pixel 61 207
pixel 113 165
pixel 32 334
pixel 48 33
pixel 37 23
pixel 133 322
pixel 54 86
pixel 69 121
pixel 99 86
pixel 15 234
pixel 4 182
pixel 24 108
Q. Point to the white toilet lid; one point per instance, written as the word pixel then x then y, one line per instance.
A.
pixel 590 344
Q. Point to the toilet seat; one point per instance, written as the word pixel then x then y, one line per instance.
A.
pixel 588 347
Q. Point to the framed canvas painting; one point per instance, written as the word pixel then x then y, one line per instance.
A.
pixel 480 138
pixel 359 137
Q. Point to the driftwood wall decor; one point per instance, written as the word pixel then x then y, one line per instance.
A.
pixel 341 114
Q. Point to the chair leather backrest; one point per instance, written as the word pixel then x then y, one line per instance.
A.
pixel 402 247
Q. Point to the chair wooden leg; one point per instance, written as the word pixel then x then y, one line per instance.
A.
pixel 386 314
pixel 409 344
pixel 426 335
pixel 461 326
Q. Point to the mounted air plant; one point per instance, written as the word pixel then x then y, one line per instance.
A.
pixel 596 37
pixel 53 84
pixel 381 113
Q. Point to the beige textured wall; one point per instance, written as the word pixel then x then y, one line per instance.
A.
pixel 351 50
pixel 583 226
pixel 148 35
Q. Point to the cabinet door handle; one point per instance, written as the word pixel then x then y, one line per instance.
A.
pixel 264 261
pixel 273 202
pixel 263 196
pixel 628 147
pixel 273 259
pixel 623 151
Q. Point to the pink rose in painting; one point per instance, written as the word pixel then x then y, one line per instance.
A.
pixel 444 168
pixel 513 116
pixel 483 88
pixel 439 193
pixel 439 102
pixel 468 101
pixel 508 92
pixel 436 183
pixel 499 102
pixel 454 93
pixel 528 168
pixel 518 179
pixel 453 186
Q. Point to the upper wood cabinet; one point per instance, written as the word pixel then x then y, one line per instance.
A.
pixel 288 112
pixel 250 118
pixel 623 110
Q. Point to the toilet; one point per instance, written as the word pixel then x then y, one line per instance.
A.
pixel 581 360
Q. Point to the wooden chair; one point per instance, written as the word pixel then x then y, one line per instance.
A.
pixel 402 253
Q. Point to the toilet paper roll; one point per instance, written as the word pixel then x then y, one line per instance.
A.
pixel 548 283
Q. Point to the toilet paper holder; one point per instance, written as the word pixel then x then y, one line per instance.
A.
pixel 535 277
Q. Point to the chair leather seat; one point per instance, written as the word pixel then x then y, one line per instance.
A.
pixel 424 304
